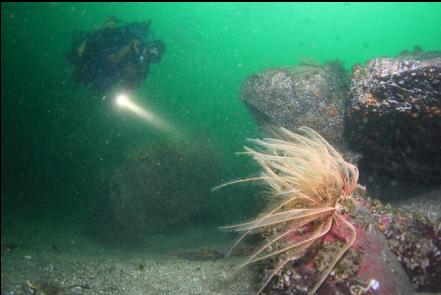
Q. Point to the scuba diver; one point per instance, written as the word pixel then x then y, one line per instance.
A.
pixel 118 54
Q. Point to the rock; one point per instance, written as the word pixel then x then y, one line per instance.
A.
pixel 415 239
pixel 369 267
pixel 160 187
pixel 394 116
pixel 308 94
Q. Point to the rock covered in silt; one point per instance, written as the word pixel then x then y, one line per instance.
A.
pixel 309 94
pixel 160 186
pixel 394 116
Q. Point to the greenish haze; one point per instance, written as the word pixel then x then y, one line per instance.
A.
pixel 58 139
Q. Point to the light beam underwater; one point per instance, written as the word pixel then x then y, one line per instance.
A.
pixel 123 101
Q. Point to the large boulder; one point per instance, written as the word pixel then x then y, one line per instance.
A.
pixel 394 116
pixel 159 187
pixel 308 94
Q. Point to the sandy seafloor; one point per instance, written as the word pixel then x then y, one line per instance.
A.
pixel 51 259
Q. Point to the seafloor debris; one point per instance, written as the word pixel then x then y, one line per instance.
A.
pixel 394 117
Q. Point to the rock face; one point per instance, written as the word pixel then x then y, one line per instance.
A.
pixel 158 188
pixel 394 117
pixel 308 94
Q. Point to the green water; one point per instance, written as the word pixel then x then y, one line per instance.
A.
pixel 58 139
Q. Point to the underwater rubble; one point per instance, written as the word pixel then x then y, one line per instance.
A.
pixel 394 115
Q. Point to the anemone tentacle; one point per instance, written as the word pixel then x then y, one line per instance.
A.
pixel 307 178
